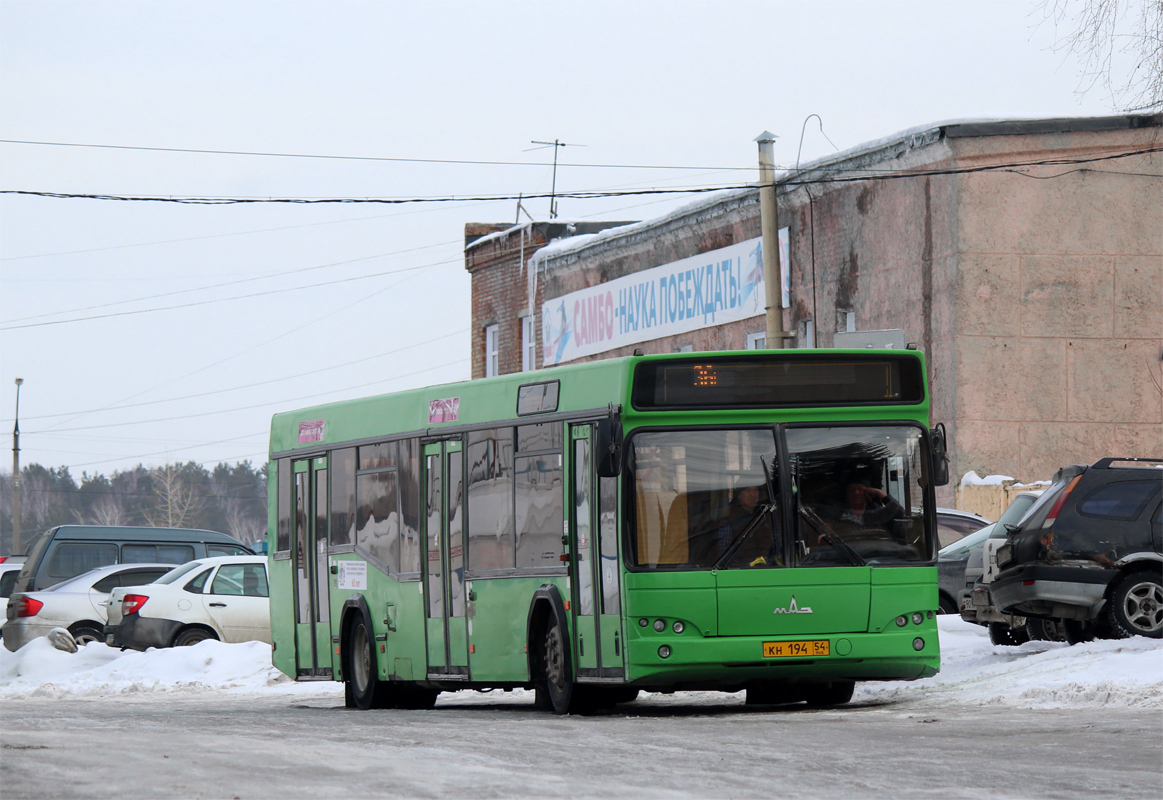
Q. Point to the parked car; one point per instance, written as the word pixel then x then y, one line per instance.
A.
pixel 66 551
pixel 954 524
pixel 1090 552
pixel 78 605
pixel 974 600
pixel 224 598
pixel 9 570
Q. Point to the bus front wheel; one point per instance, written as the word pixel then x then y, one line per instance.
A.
pixel 361 688
pixel 560 692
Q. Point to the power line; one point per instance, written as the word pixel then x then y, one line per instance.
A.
pixel 393 159
pixel 267 404
pixel 226 299
pixel 867 175
pixel 251 279
pixel 250 385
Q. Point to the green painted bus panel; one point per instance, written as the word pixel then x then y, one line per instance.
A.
pixel 282 624
pixel 435 629
pixel 687 596
pixel 894 597
pixel 791 602
pixel 586 641
pixel 406 648
pixel 458 641
pixel 498 626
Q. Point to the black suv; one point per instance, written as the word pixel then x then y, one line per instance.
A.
pixel 1089 552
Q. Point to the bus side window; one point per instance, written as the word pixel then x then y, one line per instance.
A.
pixel 490 499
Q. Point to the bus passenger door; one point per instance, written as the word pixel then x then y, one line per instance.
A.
pixel 312 585
pixel 444 567
pixel 595 570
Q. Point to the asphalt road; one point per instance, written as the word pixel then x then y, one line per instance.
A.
pixel 484 746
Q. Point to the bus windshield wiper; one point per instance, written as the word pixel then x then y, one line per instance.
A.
pixel 753 523
pixel 737 542
pixel 833 539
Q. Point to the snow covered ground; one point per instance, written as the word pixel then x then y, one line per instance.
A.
pixel 1126 673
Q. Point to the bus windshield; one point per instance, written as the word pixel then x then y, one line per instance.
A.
pixel 859 494
pixel 702 500
pixel 709 499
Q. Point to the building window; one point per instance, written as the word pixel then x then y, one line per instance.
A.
pixel 492 351
pixel 528 345
pixel 845 321
pixel 756 341
pixel 807 333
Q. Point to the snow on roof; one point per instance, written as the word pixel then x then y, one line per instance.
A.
pixel 559 247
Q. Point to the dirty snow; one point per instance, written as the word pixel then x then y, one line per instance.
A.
pixel 1125 673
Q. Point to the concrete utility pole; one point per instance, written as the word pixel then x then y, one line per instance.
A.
pixel 769 222
pixel 16 475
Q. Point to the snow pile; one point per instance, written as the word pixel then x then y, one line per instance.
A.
pixel 1125 672
pixel 971 478
pixel 37 670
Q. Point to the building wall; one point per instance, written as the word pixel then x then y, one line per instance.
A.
pixel 1058 302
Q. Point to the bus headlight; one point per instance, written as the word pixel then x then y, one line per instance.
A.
pixel 678 627
pixel 918 643
pixel 664 651
pixel 643 622
pixel 660 625
pixel 918 617
pixel 902 621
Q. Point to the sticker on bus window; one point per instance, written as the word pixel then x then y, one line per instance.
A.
pixel 445 410
pixel 311 431
pixel 352 575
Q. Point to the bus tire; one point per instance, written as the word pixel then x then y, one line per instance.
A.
pixel 361 688
pixel 835 693
pixel 415 698
pixel 565 697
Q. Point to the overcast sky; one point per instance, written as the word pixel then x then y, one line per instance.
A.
pixel 362 299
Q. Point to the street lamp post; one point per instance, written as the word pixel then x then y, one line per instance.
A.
pixel 16 474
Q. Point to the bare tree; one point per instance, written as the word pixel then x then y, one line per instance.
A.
pixel 107 510
pixel 176 503
pixel 1105 32
pixel 242 526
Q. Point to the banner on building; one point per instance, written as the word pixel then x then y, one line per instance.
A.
pixel 713 288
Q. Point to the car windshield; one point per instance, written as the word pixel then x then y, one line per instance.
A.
pixel 860 494
pixel 702 500
pixel 969 542
pixel 1017 510
pixel 178 572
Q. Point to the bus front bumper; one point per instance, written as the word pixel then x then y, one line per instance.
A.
pixel 906 653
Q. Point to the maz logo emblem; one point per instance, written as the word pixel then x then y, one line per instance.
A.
pixel 793 608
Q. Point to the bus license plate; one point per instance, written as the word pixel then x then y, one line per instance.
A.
pixel 813 647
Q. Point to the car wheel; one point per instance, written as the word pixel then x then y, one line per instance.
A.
pixel 947 606
pixel 83 634
pixel 1002 634
pixel 193 636
pixel 836 693
pixel 1078 631
pixel 1045 630
pixel 1136 606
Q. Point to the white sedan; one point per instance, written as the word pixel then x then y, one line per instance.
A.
pixel 224 598
pixel 78 604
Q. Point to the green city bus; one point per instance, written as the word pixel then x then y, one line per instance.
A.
pixel 759 521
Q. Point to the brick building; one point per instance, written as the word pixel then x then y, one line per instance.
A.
pixel 1025 257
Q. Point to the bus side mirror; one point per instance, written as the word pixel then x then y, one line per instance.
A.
pixel 608 447
pixel 939 449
